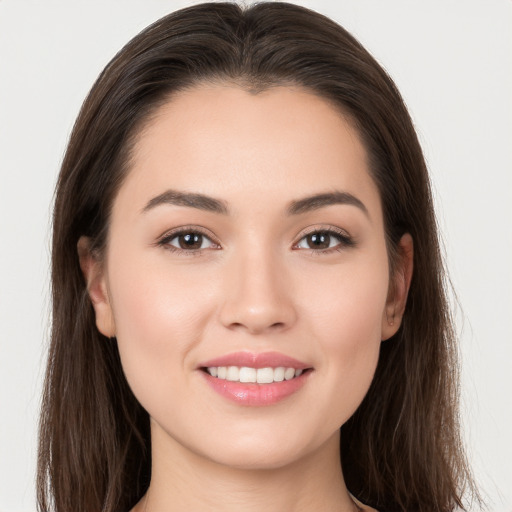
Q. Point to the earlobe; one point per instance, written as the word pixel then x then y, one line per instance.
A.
pixel 94 275
pixel 399 288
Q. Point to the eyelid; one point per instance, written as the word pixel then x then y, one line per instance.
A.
pixel 164 239
pixel 346 240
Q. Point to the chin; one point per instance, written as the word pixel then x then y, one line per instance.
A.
pixel 265 452
pixel 256 460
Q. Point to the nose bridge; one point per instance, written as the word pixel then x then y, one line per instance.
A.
pixel 257 294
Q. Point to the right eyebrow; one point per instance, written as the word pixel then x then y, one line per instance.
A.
pixel 192 200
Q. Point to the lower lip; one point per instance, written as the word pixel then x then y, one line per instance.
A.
pixel 256 394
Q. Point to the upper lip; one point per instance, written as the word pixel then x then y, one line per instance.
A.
pixel 256 360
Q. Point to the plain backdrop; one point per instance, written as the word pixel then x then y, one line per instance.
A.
pixel 452 61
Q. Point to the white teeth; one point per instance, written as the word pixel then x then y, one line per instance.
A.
pixel 279 374
pixel 265 376
pixel 247 374
pixel 289 373
pixel 233 373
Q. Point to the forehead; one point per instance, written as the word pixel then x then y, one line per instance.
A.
pixel 221 140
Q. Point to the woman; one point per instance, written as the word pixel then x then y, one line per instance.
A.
pixel 248 297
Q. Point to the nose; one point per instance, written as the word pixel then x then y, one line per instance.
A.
pixel 258 294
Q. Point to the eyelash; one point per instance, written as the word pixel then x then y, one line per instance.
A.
pixel 168 237
pixel 346 241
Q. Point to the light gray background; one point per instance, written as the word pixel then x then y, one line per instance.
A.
pixel 452 60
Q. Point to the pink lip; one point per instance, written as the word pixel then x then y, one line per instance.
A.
pixel 250 394
pixel 255 394
pixel 252 360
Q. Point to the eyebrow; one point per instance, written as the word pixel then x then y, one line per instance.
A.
pixel 211 204
pixel 189 199
pixel 324 199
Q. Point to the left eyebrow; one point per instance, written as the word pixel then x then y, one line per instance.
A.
pixel 325 199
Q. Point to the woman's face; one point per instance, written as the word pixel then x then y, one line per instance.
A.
pixel 247 234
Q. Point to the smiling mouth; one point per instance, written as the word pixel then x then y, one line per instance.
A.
pixel 255 379
pixel 245 374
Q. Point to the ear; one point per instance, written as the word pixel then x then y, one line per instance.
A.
pixel 93 271
pixel 398 288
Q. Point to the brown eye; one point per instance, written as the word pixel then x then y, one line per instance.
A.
pixel 319 240
pixel 187 241
pixel 190 241
pixel 322 241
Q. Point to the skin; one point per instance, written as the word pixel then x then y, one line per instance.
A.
pixel 257 285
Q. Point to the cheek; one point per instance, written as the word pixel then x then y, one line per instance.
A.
pixel 346 323
pixel 347 304
pixel 159 319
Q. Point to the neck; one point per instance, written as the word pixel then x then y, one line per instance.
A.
pixel 183 480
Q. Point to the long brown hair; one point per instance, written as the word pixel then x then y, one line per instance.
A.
pixel 401 451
